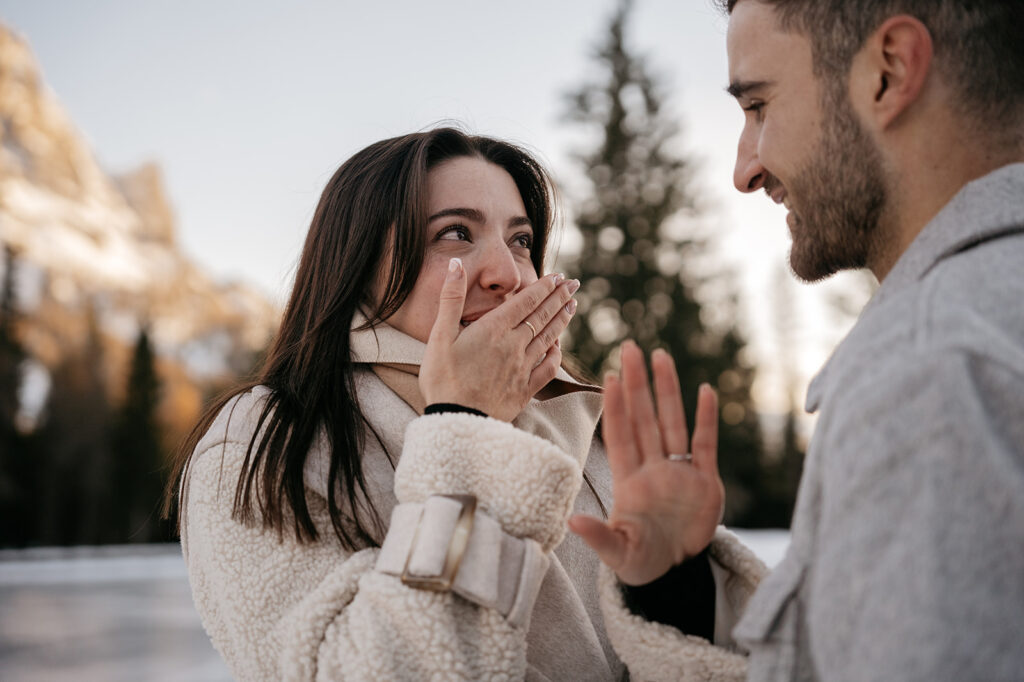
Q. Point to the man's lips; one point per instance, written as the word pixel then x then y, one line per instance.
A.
pixel 775 191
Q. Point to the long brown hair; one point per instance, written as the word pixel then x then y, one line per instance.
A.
pixel 375 199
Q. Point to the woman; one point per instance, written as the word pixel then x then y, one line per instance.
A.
pixel 389 499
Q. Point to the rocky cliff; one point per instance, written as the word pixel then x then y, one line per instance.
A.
pixel 91 245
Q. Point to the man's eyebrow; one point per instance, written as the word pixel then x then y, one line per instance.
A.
pixel 467 213
pixel 741 88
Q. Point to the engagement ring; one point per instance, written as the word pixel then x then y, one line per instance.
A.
pixel 676 457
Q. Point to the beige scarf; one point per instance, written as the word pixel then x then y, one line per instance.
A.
pixel 565 414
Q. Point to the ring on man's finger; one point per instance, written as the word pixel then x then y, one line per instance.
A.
pixel 532 329
pixel 676 457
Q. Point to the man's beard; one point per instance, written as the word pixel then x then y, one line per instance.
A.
pixel 841 194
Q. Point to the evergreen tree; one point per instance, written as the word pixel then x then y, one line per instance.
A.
pixel 11 353
pixel 783 475
pixel 137 474
pixel 634 261
pixel 72 497
pixel 15 458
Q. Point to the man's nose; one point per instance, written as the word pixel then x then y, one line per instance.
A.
pixel 749 175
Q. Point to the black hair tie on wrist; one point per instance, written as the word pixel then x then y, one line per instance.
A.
pixel 441 408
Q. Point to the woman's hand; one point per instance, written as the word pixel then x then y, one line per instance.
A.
pixel 501 360
pixel 665 510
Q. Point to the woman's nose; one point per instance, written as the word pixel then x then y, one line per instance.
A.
pixel 749 175
pixel 498 270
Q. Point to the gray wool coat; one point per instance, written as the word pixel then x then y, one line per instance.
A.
pixel 907 556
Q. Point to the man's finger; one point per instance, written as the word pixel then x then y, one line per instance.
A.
pixel 623 457
pixel 705 430
pixel 451 304
pixel 609 545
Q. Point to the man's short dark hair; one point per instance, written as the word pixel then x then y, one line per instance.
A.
pixel 978 44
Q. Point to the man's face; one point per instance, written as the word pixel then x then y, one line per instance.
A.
pixel 806 150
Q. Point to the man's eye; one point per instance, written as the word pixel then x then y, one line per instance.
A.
pixel 455 233
pixel 756 108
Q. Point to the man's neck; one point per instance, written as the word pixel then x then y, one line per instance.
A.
pixel 920 190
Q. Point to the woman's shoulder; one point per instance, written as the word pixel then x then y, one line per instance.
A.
pixel 237 420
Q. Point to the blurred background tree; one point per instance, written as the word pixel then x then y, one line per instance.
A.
pixel 16 462
pixel 85 472
pixel 639 255
pixel 138 459
pixel 73 497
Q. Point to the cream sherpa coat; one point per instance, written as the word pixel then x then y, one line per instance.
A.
pixel 280 610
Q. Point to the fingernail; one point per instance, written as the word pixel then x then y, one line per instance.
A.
pixel 572 286
pixel 557 278
pixel 570 307
pixel 455 267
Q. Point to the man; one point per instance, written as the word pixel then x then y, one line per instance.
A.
pixel 893 131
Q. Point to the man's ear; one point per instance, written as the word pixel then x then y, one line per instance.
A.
pixel 889 73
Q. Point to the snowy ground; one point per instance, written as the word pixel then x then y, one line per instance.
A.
pixel 124 613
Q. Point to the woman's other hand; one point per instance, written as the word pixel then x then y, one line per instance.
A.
pixel 500 361
pixel 665 510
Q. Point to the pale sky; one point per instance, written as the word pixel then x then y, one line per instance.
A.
pixel 249 107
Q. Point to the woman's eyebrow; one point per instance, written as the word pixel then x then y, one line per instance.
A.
pixel 467 213
pixel 519 221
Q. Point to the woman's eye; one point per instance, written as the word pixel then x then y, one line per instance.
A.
pixel 523 240
pixel 455 233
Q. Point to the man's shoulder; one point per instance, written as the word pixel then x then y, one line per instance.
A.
pixel 969 295
pixel 968 304
pixel 980 285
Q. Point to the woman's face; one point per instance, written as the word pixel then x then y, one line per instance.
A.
pixel 474 213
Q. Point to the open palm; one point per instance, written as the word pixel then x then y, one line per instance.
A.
pixel 665 510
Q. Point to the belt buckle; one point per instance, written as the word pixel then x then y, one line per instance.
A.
pixel 456 549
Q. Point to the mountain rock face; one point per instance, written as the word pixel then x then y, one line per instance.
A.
pixel 90 246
